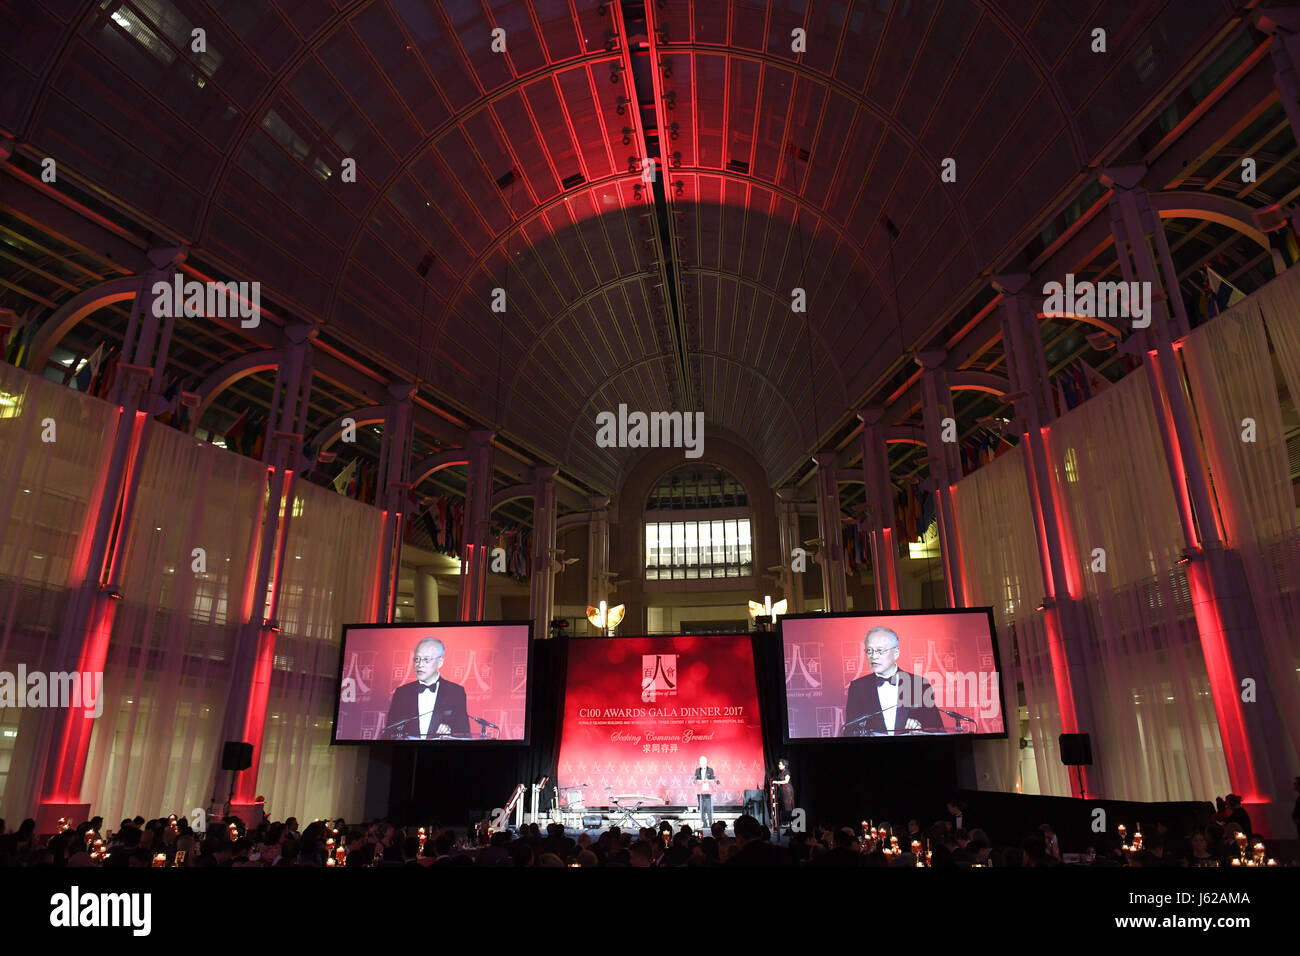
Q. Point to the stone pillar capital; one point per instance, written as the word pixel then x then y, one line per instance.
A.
pixel 931 359
pixel 164 257
pixel 401 391
pixel 1123 177
pixel 296 333
pixel 1011 284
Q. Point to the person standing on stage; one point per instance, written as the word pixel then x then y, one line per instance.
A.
pixel 706 784
pixel 783 793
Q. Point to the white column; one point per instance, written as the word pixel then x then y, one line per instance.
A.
pixel 426 595
pixel 880 509
pixel 395 463
pixel 829 525
pixel 597 550
pixel 541 590
pixel 1257 757
pixel 937 406
pixel 788 531
pixel 478 510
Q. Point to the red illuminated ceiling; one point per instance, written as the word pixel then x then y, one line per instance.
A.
pixel 782 170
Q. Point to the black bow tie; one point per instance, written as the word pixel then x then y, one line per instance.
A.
pixel 433 687
pixel 881 681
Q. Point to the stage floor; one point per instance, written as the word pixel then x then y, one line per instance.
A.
pixel 650 817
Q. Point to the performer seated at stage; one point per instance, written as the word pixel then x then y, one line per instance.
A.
pixel 414 706
pixel 888 700
pixel 784 793
pixel 706 785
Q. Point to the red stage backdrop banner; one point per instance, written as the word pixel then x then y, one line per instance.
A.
pixel 639 712
pixel 952 650
pixel 489 661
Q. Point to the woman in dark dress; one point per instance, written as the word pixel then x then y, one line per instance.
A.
pixel 783 792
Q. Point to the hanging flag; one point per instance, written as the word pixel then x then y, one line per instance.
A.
pixel 256 439
pixel 1068 394
pixel 1284 241
pixel 236 430
pixel 20 343
pixel 102 383
pixel 344 477
pixel 1223 294
pixel 1093 380
pixel 88 369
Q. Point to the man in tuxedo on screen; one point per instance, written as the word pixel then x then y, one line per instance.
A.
pixel 430 705
pixel 888 700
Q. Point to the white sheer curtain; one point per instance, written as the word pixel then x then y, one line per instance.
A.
pixel 47 491
pixel 156 748
pixel 1159 737
pixel 1000 560
pixel 1231 376
pixel 330 579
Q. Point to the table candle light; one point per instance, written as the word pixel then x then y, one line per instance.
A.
pixel 160 859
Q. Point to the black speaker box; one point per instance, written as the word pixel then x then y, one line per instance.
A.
pixel 1076 750
pixel 236 755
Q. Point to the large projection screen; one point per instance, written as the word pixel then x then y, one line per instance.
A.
pixel 434 682
pixel 892 674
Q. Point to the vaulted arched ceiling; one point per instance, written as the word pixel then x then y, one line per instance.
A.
pixel 525 170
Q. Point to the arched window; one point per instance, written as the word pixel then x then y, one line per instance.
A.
pixel 697 526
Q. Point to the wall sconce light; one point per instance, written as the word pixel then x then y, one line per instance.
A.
pixel 606 618
pixel 767 609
